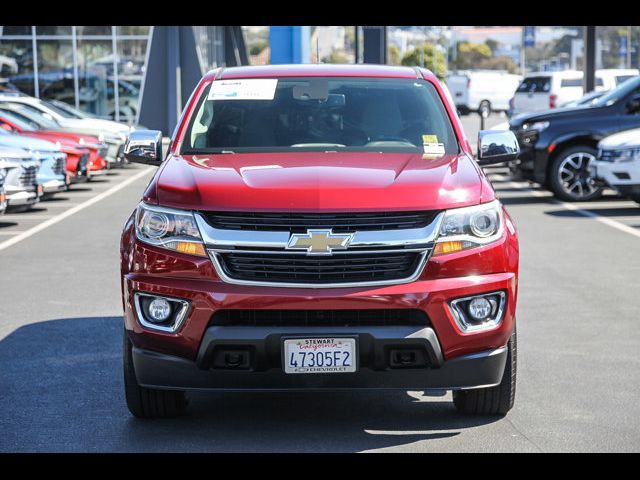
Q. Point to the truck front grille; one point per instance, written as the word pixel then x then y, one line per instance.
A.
pixel 59 165
pixel 28 176
pixel 300 222
pixel 335 269
pixel 319 318
pixel 82 164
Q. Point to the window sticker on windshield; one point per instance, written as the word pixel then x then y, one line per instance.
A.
pixel 248 89
pixel 434 148
pixel 431 145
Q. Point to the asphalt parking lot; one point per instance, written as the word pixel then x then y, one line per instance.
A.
pixel 61 327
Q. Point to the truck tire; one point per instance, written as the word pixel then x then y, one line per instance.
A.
pixel 149 402
pixel 496 400
pixel 569 177
pixel 484 108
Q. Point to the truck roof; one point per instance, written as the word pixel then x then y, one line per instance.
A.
pixel 317 70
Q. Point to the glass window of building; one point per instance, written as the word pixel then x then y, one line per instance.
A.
pixel 55 78
pixel 52 30
pixel 98 69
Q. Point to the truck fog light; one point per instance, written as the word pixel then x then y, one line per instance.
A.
pixel 479 312
pixel 479 308
pixel 159 310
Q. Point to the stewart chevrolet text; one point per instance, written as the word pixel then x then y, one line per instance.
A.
pixel 319 227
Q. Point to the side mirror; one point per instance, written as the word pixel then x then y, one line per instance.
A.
pixel 633 105
pixel 497 146
pixel 144 146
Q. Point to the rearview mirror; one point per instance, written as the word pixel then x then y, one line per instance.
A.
pixel 497 146
pixel 144 146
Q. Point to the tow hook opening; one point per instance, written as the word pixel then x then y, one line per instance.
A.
pixel 407 358
pixel 232 359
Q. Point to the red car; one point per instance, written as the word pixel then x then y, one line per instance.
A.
pixel 85 154
pixel 319 227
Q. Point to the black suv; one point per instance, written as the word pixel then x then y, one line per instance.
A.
pixel 558 145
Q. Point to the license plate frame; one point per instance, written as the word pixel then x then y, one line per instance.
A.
pixel 322 369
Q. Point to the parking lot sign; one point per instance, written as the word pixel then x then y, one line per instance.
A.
pixel 529 36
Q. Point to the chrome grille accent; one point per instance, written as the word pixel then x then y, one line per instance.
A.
pixel 28 176
pixel 372 257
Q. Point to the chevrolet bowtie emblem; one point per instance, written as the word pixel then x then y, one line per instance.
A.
pixel 319 242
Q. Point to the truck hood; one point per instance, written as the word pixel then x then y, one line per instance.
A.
pixel 96 124
pixel 20 141
pixel 318 181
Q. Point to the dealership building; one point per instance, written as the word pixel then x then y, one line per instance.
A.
pixel 81 65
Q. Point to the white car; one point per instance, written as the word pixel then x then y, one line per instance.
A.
pixel 482 91
pixel 618 163
pixel 19 169
pixel 114 134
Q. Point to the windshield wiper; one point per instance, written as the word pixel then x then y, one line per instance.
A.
pixel 318 145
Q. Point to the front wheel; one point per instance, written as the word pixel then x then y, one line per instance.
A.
pixel 496 400
pixel 148 402
pixel 570 178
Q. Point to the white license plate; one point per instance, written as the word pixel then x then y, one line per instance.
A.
pixel 320 355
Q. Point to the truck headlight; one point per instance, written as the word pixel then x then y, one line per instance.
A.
pixel 168 228
pixel 469 227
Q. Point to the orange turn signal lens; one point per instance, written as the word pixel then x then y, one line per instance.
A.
pixel 448 247
pixel 190 248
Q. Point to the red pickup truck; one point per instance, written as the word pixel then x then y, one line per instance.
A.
pixel 319 227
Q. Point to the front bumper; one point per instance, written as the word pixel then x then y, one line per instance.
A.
pixel 98 173
pixel 53 186
pixel 456 359
pixel 157 370
pixel 532 159
pixel 21 198
pixel 618 175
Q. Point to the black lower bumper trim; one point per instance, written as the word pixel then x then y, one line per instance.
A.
pixel 157 370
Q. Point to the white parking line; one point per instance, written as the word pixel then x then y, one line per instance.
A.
pixel 27 216
pixel 74 210
pixel 58 204
pixel 11 233
pixel 569 206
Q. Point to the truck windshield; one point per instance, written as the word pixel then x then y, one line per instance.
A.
pixel 319 114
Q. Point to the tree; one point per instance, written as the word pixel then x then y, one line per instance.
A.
pixel 394 55
pixel 470 55
pixel 431 58
pixel 499 63
pixel 258 47
pixel 492 44
pixel 336 56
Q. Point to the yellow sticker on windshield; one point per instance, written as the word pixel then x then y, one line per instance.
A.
pixel 429 139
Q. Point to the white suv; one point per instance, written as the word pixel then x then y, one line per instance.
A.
pixel 544 90
pixel 618 163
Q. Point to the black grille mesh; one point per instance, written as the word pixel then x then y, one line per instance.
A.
pixel 320 318
pixel 300 222
pixel 306 269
